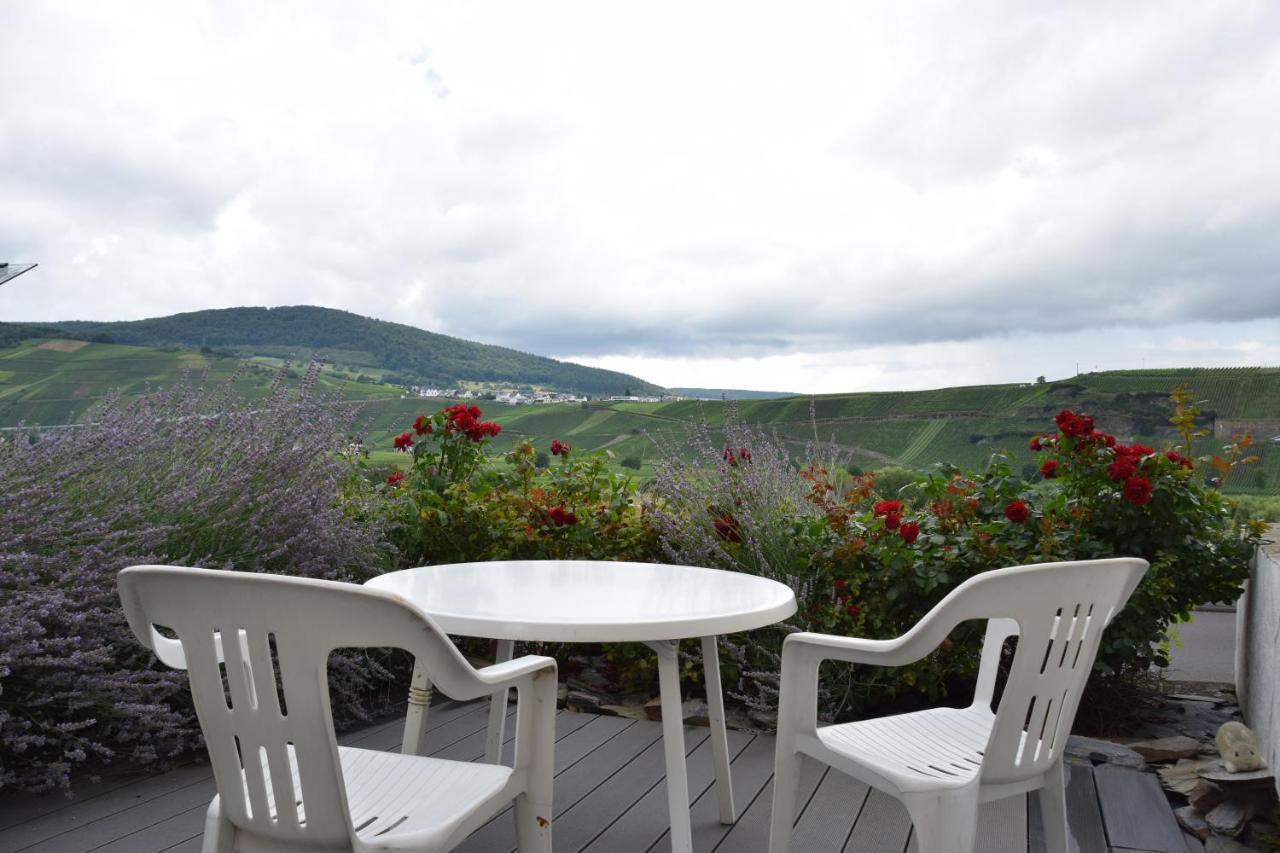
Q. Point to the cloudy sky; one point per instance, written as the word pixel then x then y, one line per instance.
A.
pixel 808 197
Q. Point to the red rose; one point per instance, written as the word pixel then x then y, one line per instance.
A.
pixel 1178 459
pixel 559 448
pixel 1073 425
pixel 909 532
pixel 729 456
pixel 1141 450
pixel 1049 469
pixel 853 610
pixel 1035 443
pixel 422 426
pixel 840 584
pixel 728 528
pixel 1017 512
pixel 1122 469
pixel 395 478
pixel 887 507
pixel 744 454
pixel 892 520
pixel 403 442
pixel 560 516
pixel 1137 490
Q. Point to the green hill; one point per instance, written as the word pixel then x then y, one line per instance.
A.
pixel 397 353
pixel 963 426
pixel 50 381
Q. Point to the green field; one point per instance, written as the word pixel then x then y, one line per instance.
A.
pixel 51 382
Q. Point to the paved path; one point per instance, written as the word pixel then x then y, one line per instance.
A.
pixel 1208 648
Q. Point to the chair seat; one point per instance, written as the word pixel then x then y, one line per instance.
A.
pixel 937 748
pixel 393 796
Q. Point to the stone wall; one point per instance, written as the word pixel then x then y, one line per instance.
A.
pixel 1258 650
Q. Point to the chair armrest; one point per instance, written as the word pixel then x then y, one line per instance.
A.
pixel 507 673
pixel 815 648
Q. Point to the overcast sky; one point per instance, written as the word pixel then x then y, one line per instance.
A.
pixel 795 196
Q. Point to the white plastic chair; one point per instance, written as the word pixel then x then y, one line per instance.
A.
pixel 283 782
pixel 941 763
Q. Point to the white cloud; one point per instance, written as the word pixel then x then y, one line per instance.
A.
pixel 706 189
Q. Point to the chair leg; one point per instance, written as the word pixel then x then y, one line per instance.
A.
pixel 533 829
pixel 1053 809
pixel 786 784
pixel 219 833
pixel 944 821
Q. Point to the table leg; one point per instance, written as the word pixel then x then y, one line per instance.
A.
pixel 673 744
pixel 415 718
pixel 498 709
pixel 719 738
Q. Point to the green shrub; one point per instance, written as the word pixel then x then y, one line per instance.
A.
pixel 447 510
pixel 868 566
pixel 891 479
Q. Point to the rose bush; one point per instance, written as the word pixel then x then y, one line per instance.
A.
pixel 452 506
pixel 870 567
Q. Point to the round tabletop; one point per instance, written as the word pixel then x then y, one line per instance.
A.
pixel 581 601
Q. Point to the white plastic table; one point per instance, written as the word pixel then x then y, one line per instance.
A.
pixel 572 601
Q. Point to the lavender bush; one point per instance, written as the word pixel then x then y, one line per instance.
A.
pixel 734 499
pixel 188 475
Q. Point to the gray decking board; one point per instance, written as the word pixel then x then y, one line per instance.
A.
pixel 1002 826
pixel 752 768
pixel 616 747
pixel 137 807
pixel 611 796
pixel 646 819
pixel 883 826
pixel 1135 813
pixel 595 812
pixel 829 817
pixel 1084 817
pixel 751 832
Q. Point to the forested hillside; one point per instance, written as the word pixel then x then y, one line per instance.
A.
pixel 401 354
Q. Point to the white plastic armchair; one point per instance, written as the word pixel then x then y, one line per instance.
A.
pixel 256 648
pixel 942 762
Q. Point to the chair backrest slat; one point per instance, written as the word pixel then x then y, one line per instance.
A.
pixel 1061 610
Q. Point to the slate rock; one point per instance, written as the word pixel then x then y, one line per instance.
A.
pixel 1216 772
pixel 629 710
pixel 1103 752
pixel 1183 777
pixel 1230 817
pixel 1190 820
pixel 694 711
pixel 582 701
pixel 1220 844
pixel 1167 748
pixel 1205 796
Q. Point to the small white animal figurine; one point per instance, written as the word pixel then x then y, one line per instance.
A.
pixel 1238 746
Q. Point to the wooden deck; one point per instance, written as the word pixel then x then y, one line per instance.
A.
pixel 610 798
